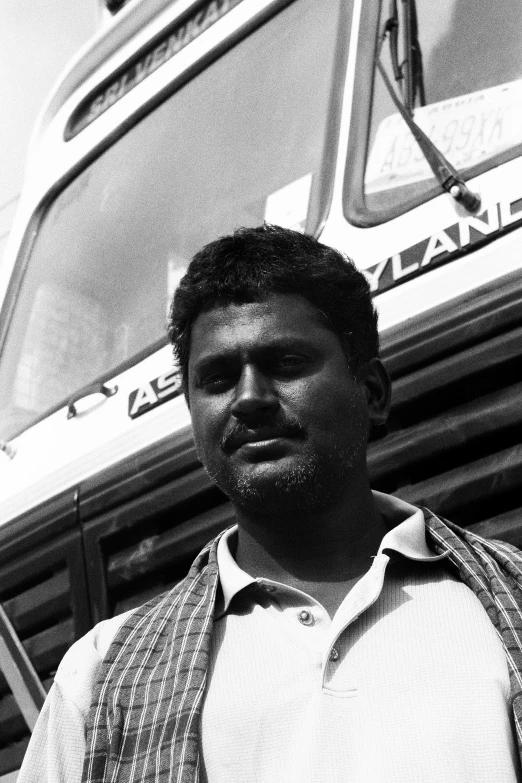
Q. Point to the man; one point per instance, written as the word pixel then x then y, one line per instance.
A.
pixel 334 634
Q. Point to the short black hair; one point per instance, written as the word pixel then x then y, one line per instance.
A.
pixel 252 263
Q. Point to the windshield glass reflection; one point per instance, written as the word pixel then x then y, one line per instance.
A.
pixel 241 143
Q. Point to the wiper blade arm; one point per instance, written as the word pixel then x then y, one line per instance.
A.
pixel 391 28
pixel 409 73
pixel 414 81
pixel 448 177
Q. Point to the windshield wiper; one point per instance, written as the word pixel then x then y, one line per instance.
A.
pixel 410 79
pixel 408 74
pixel 413 62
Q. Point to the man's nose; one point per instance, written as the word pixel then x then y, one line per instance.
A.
pixel 254 394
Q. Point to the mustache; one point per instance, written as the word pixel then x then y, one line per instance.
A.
pixel 240 433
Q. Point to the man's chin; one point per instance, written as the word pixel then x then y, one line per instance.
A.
pixel 272 484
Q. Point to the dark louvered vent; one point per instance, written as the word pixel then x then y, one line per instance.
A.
pixel 43 594
pixel 145 524
pixel 454 441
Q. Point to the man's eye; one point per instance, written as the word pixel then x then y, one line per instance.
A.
pixel 215 381
pixel 290 363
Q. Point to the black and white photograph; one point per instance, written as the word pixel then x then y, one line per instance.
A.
pixel 261 391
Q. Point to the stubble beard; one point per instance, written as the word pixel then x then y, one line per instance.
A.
pixel 311 484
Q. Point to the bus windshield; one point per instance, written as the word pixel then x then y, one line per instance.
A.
pixel 467 91
pixel 242 142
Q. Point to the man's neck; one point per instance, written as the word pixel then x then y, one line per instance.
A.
pixel 322 553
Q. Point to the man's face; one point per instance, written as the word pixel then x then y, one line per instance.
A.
pixel 278 417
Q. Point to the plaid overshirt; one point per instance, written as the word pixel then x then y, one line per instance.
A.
pixel 144 721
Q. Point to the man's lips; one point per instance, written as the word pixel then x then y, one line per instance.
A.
pixel 242 436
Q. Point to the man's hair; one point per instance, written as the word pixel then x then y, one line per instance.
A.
pixel 252 263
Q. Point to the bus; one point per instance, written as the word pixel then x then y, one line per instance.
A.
pixel 389 130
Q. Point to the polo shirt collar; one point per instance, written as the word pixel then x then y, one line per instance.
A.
pixel 406 537
pixel 231 577
pixel 407 534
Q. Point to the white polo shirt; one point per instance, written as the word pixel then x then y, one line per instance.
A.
pixel 408 682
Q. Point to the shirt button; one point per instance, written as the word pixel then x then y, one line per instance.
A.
pixel 334 655
pixel 305 617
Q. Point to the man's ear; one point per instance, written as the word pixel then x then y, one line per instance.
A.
pixel 378 392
